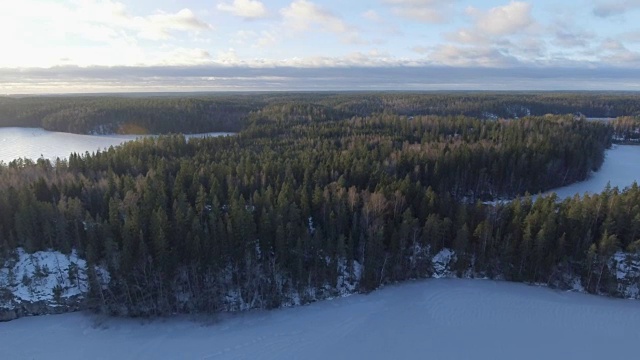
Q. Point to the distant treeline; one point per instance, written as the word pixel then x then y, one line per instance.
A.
pixel 297 206
pixel 223 112
pixel 106 115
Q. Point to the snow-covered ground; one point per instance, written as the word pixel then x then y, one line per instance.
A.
pixel 430 319
pixel 621 168
pixel 35 277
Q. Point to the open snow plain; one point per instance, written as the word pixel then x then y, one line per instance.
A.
pixel 428 319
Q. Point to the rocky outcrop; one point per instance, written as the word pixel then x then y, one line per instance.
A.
pixel 43 283
pixel 8 314
pixel 626 269
pixel 16 309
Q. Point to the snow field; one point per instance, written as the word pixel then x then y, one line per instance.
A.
pixel 429 319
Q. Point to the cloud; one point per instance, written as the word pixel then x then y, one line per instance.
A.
pixel 381 24
pixel 102 20
pixel 614 52
pixel 503 20
pixel 369 59
pixel 631 36
pixel 466 36
pixel 525 48
pixel 225 78
pixel 566 37
pixel 228 57
pixel 499 36
pixel 254 39
pixel 612 45
pixel 430 11
pixel 267 38
pixel 90 32
pixel 452 55
pixel 301 15
pixel 242 37
pixel 606 9
pixel 184 56
pixel 160 25
pixel 372 15
pixel 248 9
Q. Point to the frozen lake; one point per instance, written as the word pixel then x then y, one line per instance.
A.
pixel 429 319
pixel 621 168
pixel 34 143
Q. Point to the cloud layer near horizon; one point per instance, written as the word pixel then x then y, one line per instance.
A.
pixel 72 79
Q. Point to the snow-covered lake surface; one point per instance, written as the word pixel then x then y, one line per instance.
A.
pixel 621 168
pixel 431 319
pixel 34 143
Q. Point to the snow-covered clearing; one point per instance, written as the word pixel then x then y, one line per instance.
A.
pixel 621 168
pixel 430 319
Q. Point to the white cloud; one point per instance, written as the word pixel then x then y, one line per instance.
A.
pixel 466 36
pixel 242 37
pixel 161 25
pixel 606 9
pixel 500 36
pixel 304 15
pixel 368 59
pixel 451 55
pixel 301 15
pixel 248 9
pixel 503 20
pixel 267 38
pixel 372 15
pixel 380 24
pixel 88 32
pixel 430 11
pixel 254 39
pixel 183 56
pixel 229 57
pixel 615 53
pixel 101 20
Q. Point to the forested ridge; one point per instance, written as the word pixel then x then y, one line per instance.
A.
pixel 305 203
pixel 192 113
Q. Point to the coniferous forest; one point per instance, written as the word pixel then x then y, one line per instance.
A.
pixel 318 194
pixel 230 111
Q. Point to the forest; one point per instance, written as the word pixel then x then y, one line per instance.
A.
pixel 231 112
pixel 318 193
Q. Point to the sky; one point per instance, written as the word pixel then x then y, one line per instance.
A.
pixel 62 46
